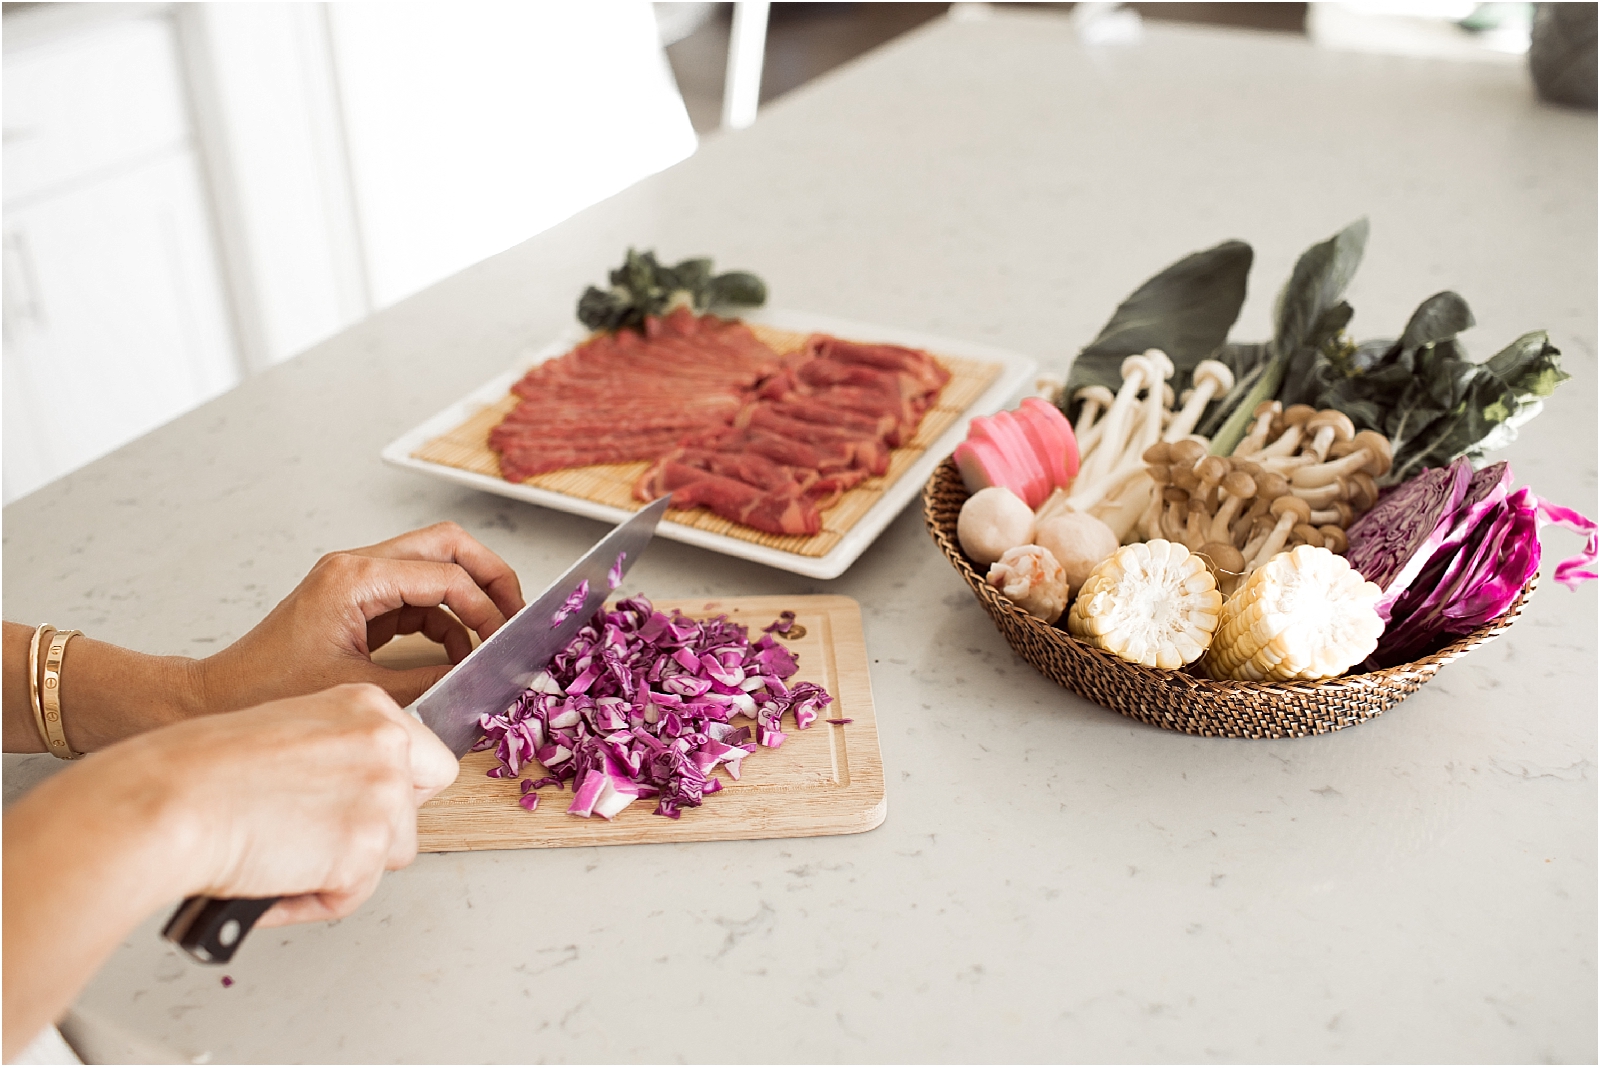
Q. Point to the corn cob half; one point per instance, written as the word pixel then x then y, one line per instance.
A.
pixel 1305 614
pixel 1154 603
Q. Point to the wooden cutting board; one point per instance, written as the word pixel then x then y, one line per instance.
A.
pixel 827 779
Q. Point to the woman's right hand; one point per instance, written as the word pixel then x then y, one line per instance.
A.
pixel 308 799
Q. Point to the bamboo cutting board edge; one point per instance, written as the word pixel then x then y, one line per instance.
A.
pixel 481 813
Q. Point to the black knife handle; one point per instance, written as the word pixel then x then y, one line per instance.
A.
pixel 210 930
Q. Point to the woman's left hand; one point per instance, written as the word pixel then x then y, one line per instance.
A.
pixel 351 603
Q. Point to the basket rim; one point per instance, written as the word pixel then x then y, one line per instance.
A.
pixel 1425 668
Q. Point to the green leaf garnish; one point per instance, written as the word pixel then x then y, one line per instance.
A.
pixel 644 287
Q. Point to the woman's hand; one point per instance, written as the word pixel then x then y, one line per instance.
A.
pixel 309 799
pixel 351 603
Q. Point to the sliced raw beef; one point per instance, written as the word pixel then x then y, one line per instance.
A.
pixel 728 424
pixel 776 513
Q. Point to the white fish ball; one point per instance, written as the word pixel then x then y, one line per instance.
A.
pixel 1078 541
pixel 992 521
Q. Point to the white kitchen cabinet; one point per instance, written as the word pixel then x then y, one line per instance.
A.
pixel 115 317
pixel 194 192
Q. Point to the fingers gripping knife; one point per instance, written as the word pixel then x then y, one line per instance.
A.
pixel 488 680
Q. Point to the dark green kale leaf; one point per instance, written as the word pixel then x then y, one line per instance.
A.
pixel 1431 401
pixel 644 287
pixel 1309 314
pixel 1185 311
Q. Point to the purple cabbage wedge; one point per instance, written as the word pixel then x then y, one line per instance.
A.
pixel 1391 543
pixel 640 704
pixel 1471 573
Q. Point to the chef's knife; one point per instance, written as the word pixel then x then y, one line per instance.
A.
pixel 488 680
pixel 494 673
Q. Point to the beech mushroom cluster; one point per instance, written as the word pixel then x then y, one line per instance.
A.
pixel 1315 449
pixel 1238 512
pixel 1114 431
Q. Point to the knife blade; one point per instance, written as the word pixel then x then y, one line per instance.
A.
pixel 494 673
pixel 487 680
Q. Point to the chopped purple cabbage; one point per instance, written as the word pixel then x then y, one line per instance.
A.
pixel 782 625
pixel 640 704
pixel 572 604
pixel 614 576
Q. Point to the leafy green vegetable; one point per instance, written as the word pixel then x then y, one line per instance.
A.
pixel 1420 390
pixel 642 286
pixel 1248 362
pixel 1185 311
pixel 1309 314
pixel 1432 402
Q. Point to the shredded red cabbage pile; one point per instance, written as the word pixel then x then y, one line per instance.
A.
pixel 1471 567
pixel 640 704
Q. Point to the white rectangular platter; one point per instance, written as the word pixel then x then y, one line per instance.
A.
pixel 1015 373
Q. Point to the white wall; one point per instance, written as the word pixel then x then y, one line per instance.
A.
pixel 475 126
pixel 193 192
pixel 115 318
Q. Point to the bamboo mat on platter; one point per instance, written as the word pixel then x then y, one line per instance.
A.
pixel 467 447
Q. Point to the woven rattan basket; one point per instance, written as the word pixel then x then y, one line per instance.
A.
pixel 1176 700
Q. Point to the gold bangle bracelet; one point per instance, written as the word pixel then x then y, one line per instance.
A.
pixel 33 683
pixel 52 694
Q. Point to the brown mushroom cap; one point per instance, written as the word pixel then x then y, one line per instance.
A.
pixel 1239 485
pixel 1159 453
pixel 1254 470
pixel 1298 414
pixel 1334 539
pixel 1290 503
pixel 1185 478
pixel 1332 419
pixel 1271 486
pixel 1212 469
pixel 1160 474
pixel 1378 448
pixel 1309 535
pixel 1175 495
pixel 1340 449
pixel 1187 452
pixel 1266 406
pixel 1363 491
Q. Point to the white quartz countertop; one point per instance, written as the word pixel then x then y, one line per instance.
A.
pixel 1053 882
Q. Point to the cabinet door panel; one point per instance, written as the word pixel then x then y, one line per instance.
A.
pixel 92 103
pixel 116 318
